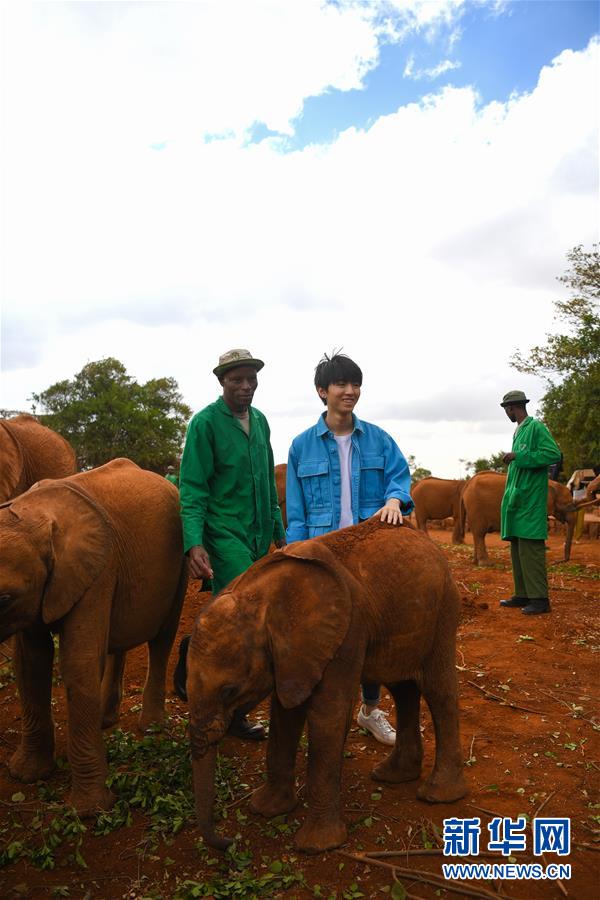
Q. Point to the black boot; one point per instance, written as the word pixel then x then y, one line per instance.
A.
pixel 515 601
pixel 242 728
pixel 180 673
pixel 537 606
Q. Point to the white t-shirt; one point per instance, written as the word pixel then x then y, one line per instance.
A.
pixel 344 445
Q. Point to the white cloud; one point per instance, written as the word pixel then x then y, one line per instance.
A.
pixel 427 245
pixel 430 74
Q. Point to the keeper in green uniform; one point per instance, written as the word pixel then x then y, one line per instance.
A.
pixel 525 505
pixel 229 507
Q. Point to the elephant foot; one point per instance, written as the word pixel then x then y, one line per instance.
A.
pixel 88 804
pixel 28 766
pixel 442 790
pixel 316 837
pixel 270 801
pixel 395 771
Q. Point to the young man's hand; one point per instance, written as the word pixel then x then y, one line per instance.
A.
pixel 390 513
pixel 280 542
pixel 200 566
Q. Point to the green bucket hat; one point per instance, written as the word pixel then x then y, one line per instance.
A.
pixel 514 397
pixel 233 359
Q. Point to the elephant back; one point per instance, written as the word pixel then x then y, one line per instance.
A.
pixel 30 452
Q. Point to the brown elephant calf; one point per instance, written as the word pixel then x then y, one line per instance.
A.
pixel 96 558
pixel 370 603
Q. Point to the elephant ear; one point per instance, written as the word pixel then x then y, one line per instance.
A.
pixel 11 470
pixel 307 619
pixel 80 545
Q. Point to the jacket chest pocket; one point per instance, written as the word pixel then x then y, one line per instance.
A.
pixel 371 479
pixel 314 478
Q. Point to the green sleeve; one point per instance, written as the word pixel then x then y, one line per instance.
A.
pixel 197 467
pixel 278 529
pixel 542 449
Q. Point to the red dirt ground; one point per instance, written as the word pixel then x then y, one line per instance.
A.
pixel 530 733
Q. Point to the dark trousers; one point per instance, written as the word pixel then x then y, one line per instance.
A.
pixel 528 559
pixel 370 693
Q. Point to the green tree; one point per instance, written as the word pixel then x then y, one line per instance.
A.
pixel 417 472
pixel 570 363
pixel 494 463
pixel 105 414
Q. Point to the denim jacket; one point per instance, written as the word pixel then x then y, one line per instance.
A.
pixel 313 488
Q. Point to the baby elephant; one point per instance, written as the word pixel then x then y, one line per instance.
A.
pixel 96 558
pixel 371 603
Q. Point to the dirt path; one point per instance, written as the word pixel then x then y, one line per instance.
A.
pixel 530 722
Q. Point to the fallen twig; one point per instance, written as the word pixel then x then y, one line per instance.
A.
pixel 587 846
pixel 542 805
pixel 505 702
pixel 437 881
pixel 425 851
pixel 569 706
pixel 489 812
pixel 563 889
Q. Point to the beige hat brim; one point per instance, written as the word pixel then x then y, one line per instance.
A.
pixel 238 364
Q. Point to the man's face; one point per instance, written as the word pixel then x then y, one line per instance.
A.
pixel 341 396
pixel 239 385
pixel 511 412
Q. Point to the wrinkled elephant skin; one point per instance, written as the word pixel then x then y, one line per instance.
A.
pixel 96 558
pixel 373 602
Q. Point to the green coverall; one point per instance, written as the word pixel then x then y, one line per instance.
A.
pixel 524 512
pixel 227 490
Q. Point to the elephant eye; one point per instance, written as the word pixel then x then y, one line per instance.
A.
pixel 4 598
pixel 229 693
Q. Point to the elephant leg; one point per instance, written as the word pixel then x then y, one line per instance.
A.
pixel 480 554
pixel 405 759
pixel 440 689
pixel 329 717
pixel 112 688
pixel 159 649
pixel 83 643
pixel 278 795
pixel 458 536
pixel 33 658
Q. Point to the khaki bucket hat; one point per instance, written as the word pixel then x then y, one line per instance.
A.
pixel 235 358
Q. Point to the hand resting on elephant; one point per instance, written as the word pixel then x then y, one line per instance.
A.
pixel 96 558
pixel 371 602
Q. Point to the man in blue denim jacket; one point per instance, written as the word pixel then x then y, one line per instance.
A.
pixel 340 472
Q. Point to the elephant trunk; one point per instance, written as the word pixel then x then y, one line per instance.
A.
pixel 203 770
pixel 571 522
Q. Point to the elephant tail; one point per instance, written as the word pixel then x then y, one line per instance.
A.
pixel 462 515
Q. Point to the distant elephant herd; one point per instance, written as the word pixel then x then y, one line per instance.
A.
pixel 97 558
pixel 475 503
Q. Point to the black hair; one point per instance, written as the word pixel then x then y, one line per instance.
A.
pixel 337 367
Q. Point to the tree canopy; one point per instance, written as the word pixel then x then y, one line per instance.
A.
pixel 417 472
pixel 105 413
pixel 570 363
pixel 494 463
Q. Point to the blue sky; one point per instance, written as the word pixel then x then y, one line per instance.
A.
pixel 438 161
pixel 498 50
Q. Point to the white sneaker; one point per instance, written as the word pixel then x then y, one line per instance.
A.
pixel 377 723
